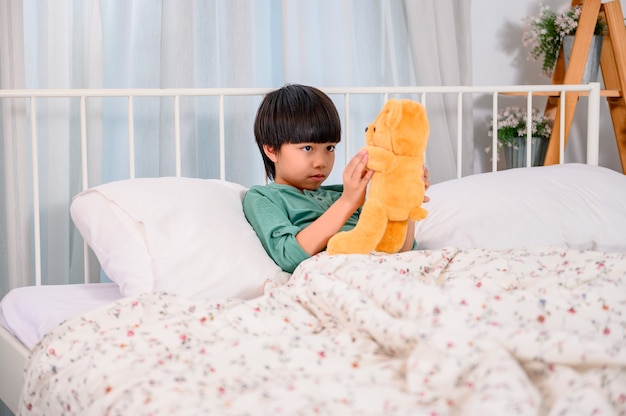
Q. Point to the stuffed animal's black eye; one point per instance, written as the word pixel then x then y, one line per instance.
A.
pixel 365 129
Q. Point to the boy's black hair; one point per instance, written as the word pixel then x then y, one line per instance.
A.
pixel 295 114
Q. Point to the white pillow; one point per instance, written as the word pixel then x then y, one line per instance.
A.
pixel 178 235
pixel 570 205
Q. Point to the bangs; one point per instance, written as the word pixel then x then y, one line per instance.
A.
pixel 316 126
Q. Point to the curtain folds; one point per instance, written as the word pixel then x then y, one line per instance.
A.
pixel 443 59
pixel 15 168
pixel 200 43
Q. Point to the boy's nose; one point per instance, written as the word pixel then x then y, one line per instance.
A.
pixel 320 162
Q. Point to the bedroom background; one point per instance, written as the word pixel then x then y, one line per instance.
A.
pixel 172 43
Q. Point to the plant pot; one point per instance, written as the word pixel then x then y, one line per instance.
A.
pixel 593 59
pixel 515 154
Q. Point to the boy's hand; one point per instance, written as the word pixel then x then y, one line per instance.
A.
pixel 356 176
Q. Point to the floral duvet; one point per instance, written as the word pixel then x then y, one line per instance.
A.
pixel 445 332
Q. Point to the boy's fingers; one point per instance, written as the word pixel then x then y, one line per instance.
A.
pixel 357 163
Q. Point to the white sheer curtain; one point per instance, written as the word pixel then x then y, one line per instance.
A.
pixel 201 43
pixel 15 254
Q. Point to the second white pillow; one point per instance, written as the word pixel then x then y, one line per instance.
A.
pixel 571 205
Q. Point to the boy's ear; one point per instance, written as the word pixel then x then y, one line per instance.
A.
pixel 270 152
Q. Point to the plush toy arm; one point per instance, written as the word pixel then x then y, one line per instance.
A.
pixel 418 213
pixel 378 159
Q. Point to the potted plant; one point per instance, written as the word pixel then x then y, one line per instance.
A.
pixel 511 127
pixel 546 33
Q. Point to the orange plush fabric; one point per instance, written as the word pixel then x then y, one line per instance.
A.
pixel 395 142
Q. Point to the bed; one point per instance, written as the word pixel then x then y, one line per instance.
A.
pixel 515 302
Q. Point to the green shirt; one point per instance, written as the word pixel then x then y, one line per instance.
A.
pixel 278 212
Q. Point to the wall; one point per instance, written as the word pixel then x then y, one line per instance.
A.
pixel 499 58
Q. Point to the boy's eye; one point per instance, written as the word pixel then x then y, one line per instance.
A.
pixel 307 148
pixel 331 148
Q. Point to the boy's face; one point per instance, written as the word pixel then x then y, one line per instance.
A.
pixel 302 165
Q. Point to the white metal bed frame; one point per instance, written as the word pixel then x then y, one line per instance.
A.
pixel 13 354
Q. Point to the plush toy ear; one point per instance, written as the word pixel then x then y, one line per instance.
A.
pixel 394 113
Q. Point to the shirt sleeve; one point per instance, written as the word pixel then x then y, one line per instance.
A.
pixel 276 232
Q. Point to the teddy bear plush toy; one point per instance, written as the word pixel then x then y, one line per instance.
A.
pixel 396 143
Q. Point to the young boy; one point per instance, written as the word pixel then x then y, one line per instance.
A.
pixel 294 216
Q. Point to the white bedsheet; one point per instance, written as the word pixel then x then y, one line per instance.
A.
pixel 30 312
pixel 446 332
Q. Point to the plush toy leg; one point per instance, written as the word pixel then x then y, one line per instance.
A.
pixel 364 237
pixel 394 237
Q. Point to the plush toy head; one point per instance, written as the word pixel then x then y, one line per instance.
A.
pixel 396 143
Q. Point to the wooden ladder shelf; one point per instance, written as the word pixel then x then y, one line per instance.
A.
pixel 612 64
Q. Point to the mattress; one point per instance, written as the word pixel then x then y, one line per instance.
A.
pixel 30 312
